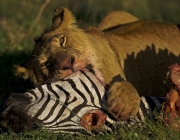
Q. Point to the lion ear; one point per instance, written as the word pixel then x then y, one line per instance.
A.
pixel 62 19
pixel 21 71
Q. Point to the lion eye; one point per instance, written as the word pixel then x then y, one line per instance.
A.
pixel 63 41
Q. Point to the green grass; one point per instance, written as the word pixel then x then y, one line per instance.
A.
pixel 18 27
pixel 152 131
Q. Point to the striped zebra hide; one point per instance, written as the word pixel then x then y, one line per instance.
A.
pixel 75 104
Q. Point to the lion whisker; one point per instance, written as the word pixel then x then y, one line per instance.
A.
pixel 35 56
pixel 49 80
pixel 30 61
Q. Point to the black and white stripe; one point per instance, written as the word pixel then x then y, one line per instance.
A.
pixel 59 106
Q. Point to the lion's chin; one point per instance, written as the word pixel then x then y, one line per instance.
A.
pixel 63 74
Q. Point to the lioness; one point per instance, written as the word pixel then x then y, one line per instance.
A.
pixel 127 57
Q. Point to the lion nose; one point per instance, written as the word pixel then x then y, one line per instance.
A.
pixel 66 62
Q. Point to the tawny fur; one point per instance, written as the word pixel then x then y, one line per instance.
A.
pixel 116 18
pixel 138 52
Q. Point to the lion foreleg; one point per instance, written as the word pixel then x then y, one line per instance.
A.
pixel 123 100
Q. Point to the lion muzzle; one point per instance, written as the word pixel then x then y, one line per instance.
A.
pixel 63 61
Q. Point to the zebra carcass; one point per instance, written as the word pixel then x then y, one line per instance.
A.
pixel 74 104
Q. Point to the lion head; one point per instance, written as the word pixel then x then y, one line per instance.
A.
pixel 58 52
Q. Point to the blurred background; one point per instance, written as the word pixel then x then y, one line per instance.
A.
pixel 22 20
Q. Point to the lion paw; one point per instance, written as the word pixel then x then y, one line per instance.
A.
pixel 123 100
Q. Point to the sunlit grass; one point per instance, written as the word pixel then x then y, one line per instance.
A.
pixel 150 131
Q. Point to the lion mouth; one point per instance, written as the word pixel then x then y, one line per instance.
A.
pixel 68 72
pixel 63 65
pixel 63 61
pixel 67 63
